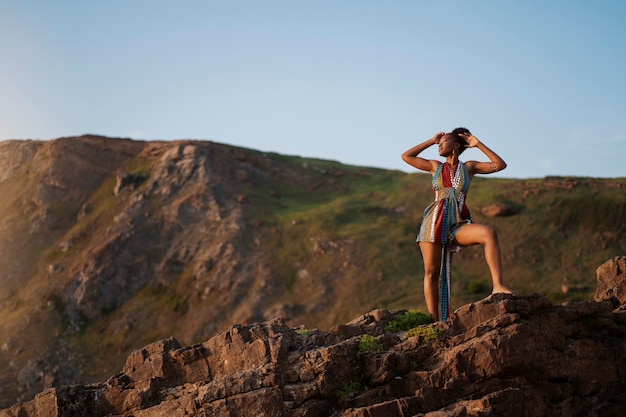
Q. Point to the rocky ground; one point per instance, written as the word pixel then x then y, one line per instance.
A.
pixel 502 356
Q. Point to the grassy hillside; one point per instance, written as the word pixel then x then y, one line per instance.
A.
pixel 564 228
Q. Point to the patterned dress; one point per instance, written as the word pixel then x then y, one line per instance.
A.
pixel 443 218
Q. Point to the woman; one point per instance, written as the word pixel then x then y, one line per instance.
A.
pixel 447 226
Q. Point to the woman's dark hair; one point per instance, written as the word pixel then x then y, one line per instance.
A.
pixel 455 135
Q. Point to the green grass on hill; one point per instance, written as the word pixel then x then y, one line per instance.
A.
pixel 564 229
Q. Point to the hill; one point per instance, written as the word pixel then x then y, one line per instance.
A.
pixel 107 245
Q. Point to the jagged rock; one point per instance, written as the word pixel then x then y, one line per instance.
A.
pixel 504 355
pixel 611 280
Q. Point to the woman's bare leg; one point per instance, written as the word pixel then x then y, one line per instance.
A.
pixel 471 234
pixel 431 253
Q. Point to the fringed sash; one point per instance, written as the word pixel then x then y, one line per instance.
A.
pixel 444 276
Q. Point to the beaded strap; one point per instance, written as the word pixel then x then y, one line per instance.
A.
pixel 445 268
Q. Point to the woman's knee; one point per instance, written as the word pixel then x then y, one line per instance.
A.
pixel 431 274
pixel 490 235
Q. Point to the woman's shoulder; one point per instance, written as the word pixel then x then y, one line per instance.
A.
pixel 469 165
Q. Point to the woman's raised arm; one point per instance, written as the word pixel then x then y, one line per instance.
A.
pixel 411 158
pixel 496 163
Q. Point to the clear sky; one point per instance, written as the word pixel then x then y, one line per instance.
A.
pixel 542 82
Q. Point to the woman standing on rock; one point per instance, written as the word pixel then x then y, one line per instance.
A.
pixel 447 226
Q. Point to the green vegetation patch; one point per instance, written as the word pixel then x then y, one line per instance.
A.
pixel 429 333
pixel 348 389
pixel 369 343
pixel 602 212
pixel 303 332
pixel 408 320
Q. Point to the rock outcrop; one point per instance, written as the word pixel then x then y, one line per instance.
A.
pixel 612 281
pixel 502 356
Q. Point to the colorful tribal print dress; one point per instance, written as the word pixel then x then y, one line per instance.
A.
pixel 442 219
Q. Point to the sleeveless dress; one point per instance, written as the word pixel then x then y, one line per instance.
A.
pixel 443 218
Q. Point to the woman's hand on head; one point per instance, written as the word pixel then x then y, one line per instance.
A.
pixel 470 139
pixel 437 137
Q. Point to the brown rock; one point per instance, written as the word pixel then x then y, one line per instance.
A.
pixel 504 355
pixel 612 281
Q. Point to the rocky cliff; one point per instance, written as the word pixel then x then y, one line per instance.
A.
pixel 502 356
pixel 108 243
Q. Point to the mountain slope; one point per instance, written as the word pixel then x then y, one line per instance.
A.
pixel 107 245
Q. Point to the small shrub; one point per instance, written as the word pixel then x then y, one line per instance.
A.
pixel 369 343
pixel 348 389
pixel 429 333
pixel 303 332
pixel 407 321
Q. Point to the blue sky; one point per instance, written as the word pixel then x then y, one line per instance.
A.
pixel 357 81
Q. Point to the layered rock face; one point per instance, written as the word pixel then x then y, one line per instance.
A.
pixel 502 356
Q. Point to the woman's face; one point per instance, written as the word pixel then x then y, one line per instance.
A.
pixel 446 145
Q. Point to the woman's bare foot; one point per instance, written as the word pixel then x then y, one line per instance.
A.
pixel 501 289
